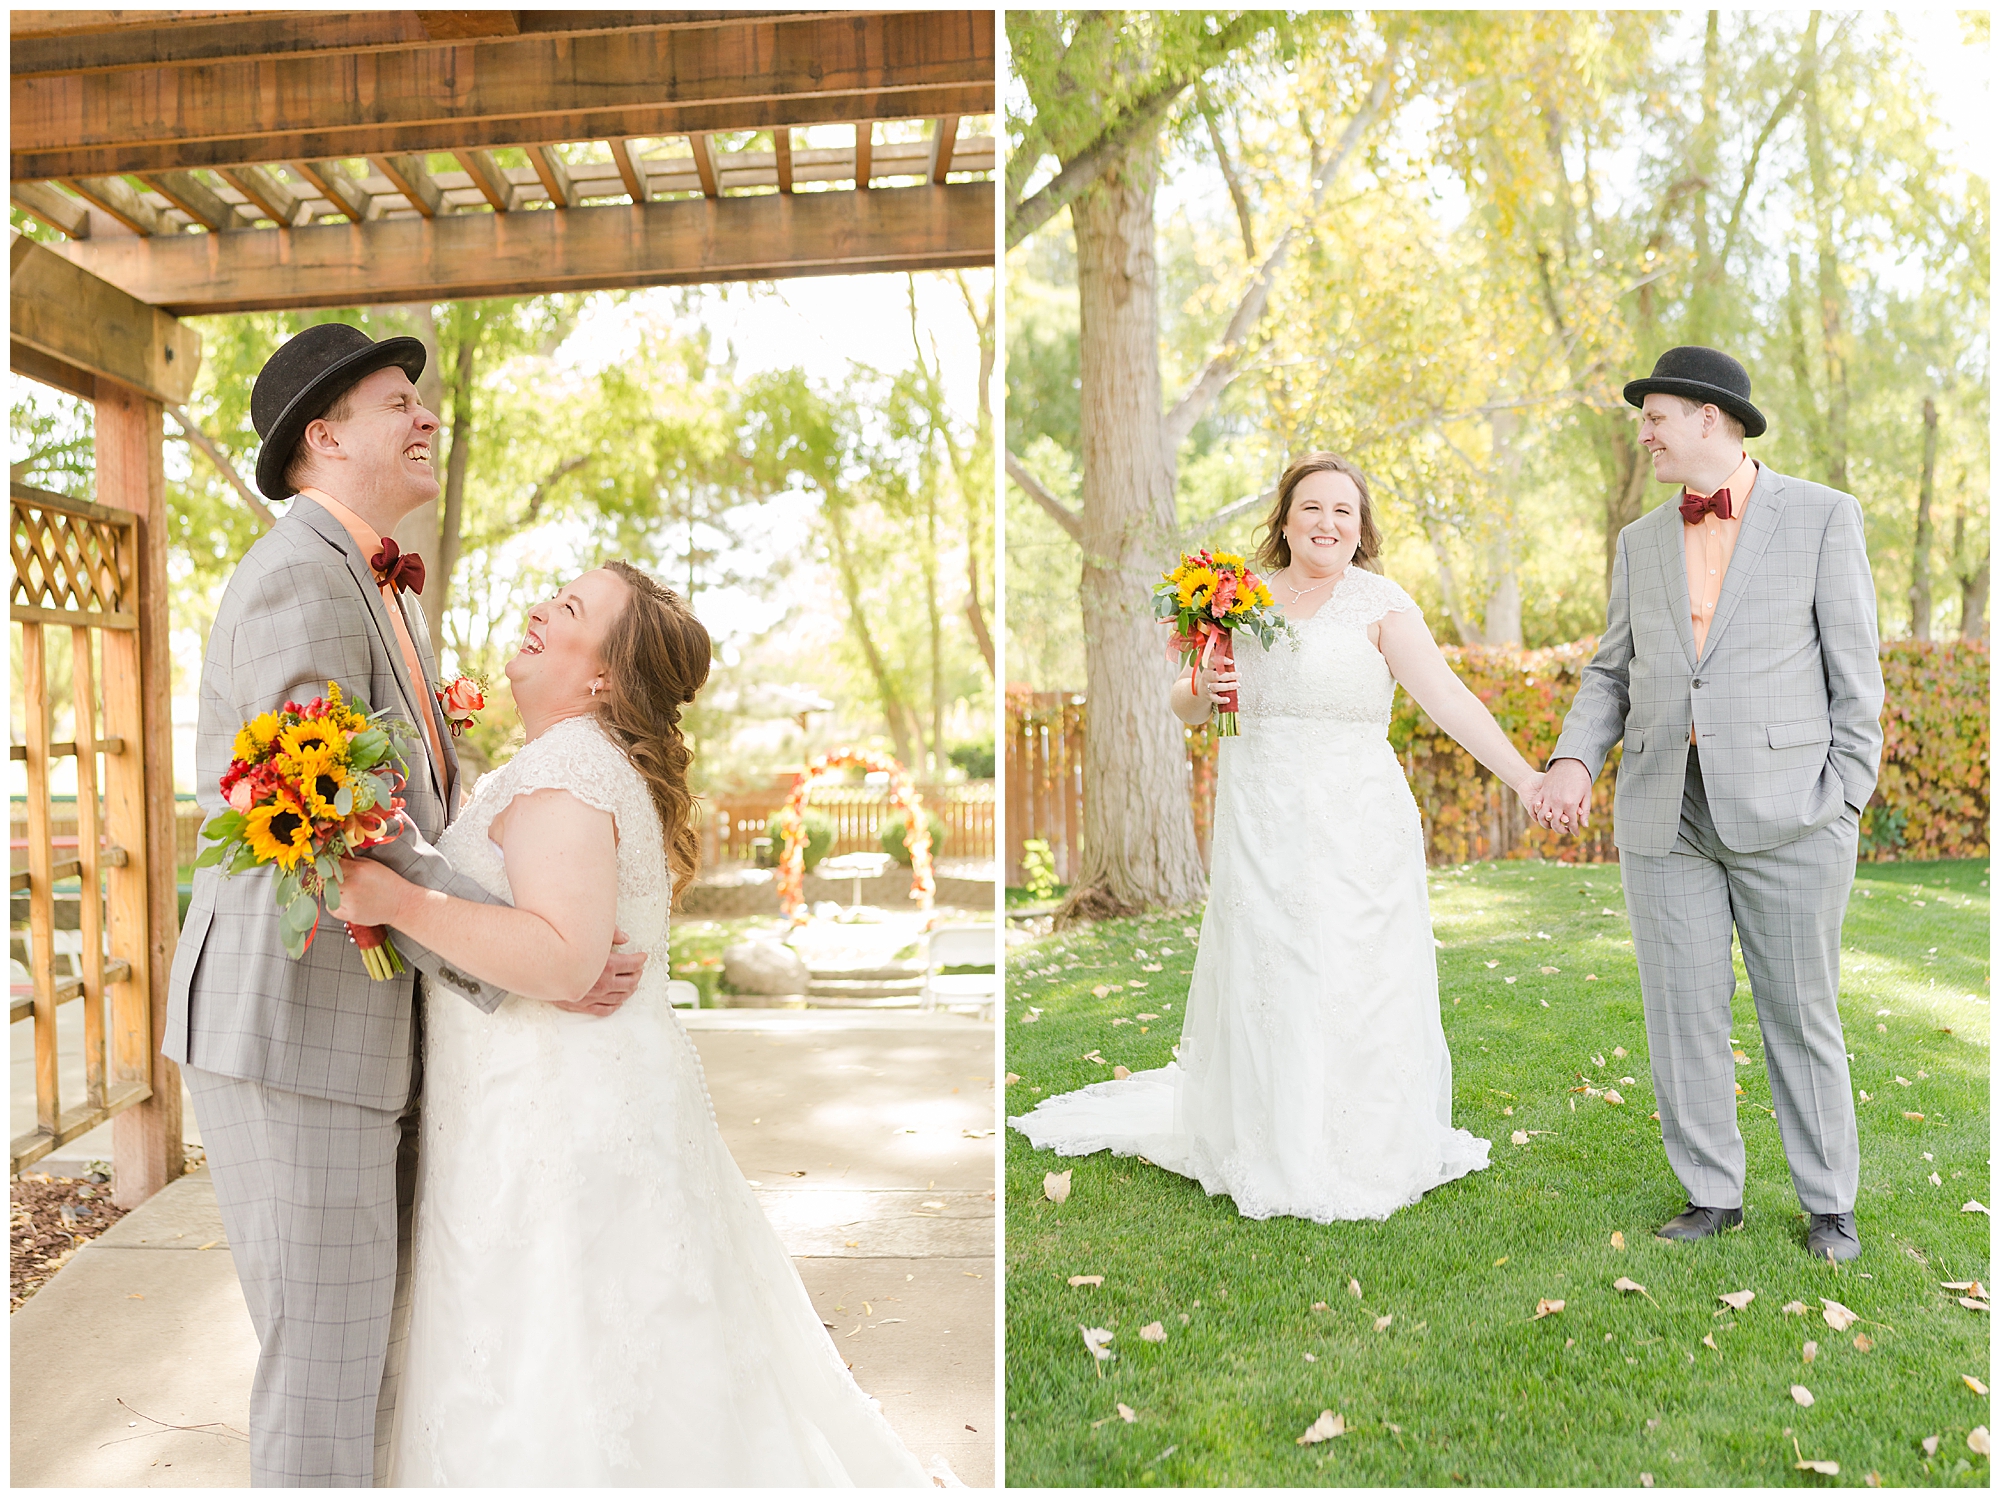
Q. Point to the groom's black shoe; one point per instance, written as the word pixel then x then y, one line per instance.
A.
pixel 1701 1222
pixel 1832 1236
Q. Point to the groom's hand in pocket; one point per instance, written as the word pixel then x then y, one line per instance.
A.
pixel 614 985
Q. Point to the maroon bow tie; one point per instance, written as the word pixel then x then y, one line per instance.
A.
pixel 1693 506
pixel 398 569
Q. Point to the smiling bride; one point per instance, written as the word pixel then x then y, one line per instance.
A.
pixel 1313 1078
pixel 597 1298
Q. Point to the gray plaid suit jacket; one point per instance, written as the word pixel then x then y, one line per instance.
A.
pixel 303 609
pixel 1786 698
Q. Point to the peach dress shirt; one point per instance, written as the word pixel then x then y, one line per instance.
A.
pixel 1708 545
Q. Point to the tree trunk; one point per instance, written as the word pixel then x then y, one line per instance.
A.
pixel 1625 500
pixel 1503 596
pixel 1972 600
pixel 1138 833
pixel 895 712
pixel 1832 293
pixel 1920 553
pixel 937 759
pixel 451 514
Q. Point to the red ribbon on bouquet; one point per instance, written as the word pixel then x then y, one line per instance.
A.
pixel 1213 635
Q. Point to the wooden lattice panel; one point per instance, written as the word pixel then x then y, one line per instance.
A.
pixel 73 562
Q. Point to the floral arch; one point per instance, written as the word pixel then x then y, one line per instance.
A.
pixel 790 823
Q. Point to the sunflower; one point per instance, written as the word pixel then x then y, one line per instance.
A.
pixel 1228 559
pixel 1196 586
pixel 294 741
pixel 279 831
pixel 320 775
pixel 254 737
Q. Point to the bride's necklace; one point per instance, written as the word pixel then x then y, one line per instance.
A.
pixel 1298 593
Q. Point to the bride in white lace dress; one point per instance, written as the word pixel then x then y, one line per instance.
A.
pixel 598 1299
pixel 1312 1077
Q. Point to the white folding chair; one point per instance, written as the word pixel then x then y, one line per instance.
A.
pixel 680 991
pixel 967 945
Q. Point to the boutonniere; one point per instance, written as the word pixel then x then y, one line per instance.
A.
pixel 460 701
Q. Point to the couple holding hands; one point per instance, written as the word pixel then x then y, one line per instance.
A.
pixel 1739 666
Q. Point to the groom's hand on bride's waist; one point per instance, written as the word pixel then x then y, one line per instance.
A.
pixel 614 985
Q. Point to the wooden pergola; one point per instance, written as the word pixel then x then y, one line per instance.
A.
pixel 226 161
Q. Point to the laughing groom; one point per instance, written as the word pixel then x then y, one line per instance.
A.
pixel 1739 665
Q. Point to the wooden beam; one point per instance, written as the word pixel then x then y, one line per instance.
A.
pixel 639 82
pixel 467 255
pixel 555 178
pixel 280 204
pixel 412 180
pixel 781 144
pixel 944 139
pixel 339 189
pixel 463 25
pixel 629 171
pixel 488 177
pixel 74 318
pixel 704 165
pixel 864 153
pixel 117 197
pixel 195 198
pixel 151 39
pixel 61 212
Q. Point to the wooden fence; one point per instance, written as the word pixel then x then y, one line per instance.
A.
pixel 76 571
pixel 1045 790
pixel 858 814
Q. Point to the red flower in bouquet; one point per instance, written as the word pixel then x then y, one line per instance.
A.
pixel 1209 596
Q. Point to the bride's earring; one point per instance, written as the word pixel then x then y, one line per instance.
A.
pixel 593 689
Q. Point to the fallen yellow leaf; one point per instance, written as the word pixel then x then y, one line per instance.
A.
pixel 1980 1443
pixel 1055 1186
pixel 1863 1342
pixel 1794 1308
pixel 1012 1078
pixel 1809 1352
pixel 1325 1428
pixel 1837 1315
pixel 1120 1073
pixel 1709 1341
pixel 1354 1288
pixel 1127 1413
pixel 1973 1384
pixel 1320 1305
pixel 1618 1240
pixel 1519 1136
pixel 1152 1331
pixel 1802 1396
pixel 1085 1279
pixel 1547 1308
pixel 1738 1300
pixel 1382 1322
pixel 1630 1287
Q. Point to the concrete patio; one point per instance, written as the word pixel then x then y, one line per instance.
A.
pixel 868 1137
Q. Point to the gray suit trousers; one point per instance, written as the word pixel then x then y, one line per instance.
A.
pixel 309 1193
pixel 1786 906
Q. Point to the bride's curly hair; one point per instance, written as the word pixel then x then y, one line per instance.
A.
pixel 657 656
pixel 1273 551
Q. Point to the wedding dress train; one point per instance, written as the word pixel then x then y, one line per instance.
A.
pixel 598 1299
pixel 1312 1079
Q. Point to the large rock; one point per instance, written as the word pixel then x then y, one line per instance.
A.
pixel 764 967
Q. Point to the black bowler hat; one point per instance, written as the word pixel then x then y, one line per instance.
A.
pixel 307 374
pixel 1702 374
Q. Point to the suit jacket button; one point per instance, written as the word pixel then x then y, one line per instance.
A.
pixel 1697 681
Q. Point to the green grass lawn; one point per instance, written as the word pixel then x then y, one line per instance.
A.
pixel 1464 1385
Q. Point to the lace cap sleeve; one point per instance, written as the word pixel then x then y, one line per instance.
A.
pixel 1369 596
pixel 576 757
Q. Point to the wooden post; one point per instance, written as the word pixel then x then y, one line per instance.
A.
pixel 146 1138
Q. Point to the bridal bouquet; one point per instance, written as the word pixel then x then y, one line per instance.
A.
pixel 1210 596
pixel 307 786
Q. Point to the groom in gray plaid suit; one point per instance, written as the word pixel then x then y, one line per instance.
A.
pixel 305 1074
pixel 1739 664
